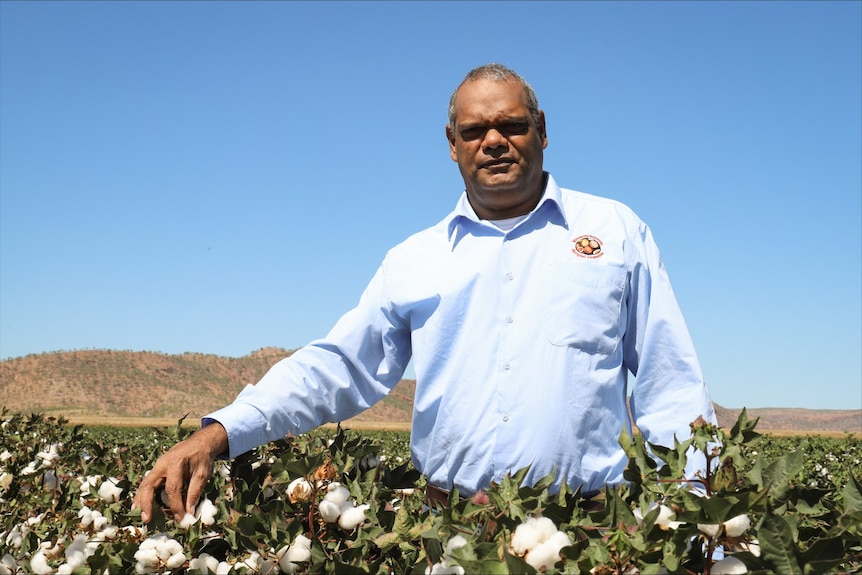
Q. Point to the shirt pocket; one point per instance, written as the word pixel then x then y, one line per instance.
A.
pixel 585 306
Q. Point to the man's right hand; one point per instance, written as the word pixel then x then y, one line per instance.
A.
pixel 184 470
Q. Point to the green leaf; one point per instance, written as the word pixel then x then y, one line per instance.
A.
pixel 852 496
pixel 822 555
pixel 777 546
pixel 780 472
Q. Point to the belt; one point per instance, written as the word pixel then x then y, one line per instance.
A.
pixel 436 497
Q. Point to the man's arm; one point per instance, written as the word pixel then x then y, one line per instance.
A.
pixel 184 470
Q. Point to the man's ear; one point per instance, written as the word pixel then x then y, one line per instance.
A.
pixel 542 128
pixel 450 137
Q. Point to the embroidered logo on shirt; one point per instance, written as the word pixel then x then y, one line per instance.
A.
pixel 588 247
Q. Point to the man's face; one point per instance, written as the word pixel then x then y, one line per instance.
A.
pixel 498 147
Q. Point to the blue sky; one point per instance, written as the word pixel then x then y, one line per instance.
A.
pixel 221 177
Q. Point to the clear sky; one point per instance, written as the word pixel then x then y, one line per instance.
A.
pixel 221 177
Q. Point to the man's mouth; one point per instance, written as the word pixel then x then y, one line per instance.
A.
pixel 500 164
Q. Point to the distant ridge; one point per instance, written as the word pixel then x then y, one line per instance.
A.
pixel 143 384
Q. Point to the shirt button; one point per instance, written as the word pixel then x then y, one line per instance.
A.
pixel 505 417
pixel 507 366
pixel 510 276
pixel 509 319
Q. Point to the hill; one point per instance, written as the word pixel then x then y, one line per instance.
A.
pixel 111 385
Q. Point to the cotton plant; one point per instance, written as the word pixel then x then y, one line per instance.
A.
pixel 447 564
pixel 337 507
pixel 538 541
pixel 159 553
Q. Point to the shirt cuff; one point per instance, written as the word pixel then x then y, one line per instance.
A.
pixel 246 428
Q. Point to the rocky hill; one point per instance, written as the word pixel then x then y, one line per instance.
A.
pixel 102 384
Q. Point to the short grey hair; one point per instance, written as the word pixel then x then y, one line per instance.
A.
pixel 500 73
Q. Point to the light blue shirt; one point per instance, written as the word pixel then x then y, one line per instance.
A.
pixel 521 342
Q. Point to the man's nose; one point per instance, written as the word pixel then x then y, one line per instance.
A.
pixel 494 139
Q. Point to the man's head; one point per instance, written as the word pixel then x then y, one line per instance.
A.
pixel 496 134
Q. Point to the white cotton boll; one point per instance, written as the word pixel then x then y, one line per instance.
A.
pixel 299 490
pixel 168 548
pixel 337 493
pixel 39 564
pixel 8 565
pixel 455 542
pixel 206 511
pixel 666 518
pixel 5 481
pixel 99 520
pixel 78 551
pixel 737 526
pixel 5 456
pixel 729 566
pixel 86 516
pixel 442 568
pixel 352 518
pixel 109 533
pixel 329 511
pixel 15 538
pixel 109 491
pixel 31 468
pixel 175 560
pixel 147 557
pixel 526 537
pixel 297 552
pixel 204 563
pixel 188 520
pixel 546 528
pixel 547 553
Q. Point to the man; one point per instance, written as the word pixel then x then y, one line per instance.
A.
pixel 523 310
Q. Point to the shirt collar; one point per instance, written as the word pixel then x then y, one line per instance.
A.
pixel 552 196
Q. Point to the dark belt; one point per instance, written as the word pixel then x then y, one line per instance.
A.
pixel 436 497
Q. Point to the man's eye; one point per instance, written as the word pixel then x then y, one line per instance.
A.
pixel 517 127
pixel 472 133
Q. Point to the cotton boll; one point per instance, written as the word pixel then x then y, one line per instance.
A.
pixel 298 552
pixel 737 526
pixel 39 564
pixel 546 528
pixel 176 560
pixel 666 517
pixel 85 514
pixel 109 490
pixel 442 568
pixel 352 518
pixel 99 520
pixel 206 511
pixel 168 547
pixel 455 542
pixel 188 520
pixel 729 566
pixel 526 537
pixel 329 511
pixel 337 493
pixel 547 553
pixel 8 565
pixel 205 563
pixel 299 490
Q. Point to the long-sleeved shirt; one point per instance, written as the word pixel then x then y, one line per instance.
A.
pixel 521 341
